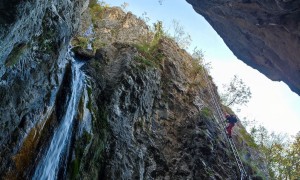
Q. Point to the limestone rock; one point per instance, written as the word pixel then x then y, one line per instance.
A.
pixel 262 33
pixel 153 116
pixel 34 40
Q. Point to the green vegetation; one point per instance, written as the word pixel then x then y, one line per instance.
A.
pixel 182 38
pixel 280 153
pixel 197 71
pixel 80 145
pixel 93 3
pixel 47 41
pixel 101 123
pixel 248 138
pixel 97 10
pixel 144 62
pixel 236 92
pixel 206 113
pixel 100 128
pixel 97 44
pixel 258 174
pixel 150 54
pixel 14 56
pixel 80 42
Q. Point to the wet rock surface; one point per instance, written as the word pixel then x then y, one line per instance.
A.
pixel 34 40
pixel 262 33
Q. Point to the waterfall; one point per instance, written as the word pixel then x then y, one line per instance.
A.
pixel 48 167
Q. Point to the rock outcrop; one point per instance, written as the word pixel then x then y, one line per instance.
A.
pixel 34 40
pixel 152 116
pixel 262 33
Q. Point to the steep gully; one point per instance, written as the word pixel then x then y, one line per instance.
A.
pixel 57 152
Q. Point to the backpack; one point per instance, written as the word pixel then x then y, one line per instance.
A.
pixel 232 119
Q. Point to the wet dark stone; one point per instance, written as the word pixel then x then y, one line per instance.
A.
pixel 8 11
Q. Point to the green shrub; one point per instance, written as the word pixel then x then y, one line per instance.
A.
pixel 248 138
pixel 150 50
pixel 97 44
pixel 93 3
pixel 80 146
pixel 97 10
pixel 80 41
pixel 144 61
pixel 206 113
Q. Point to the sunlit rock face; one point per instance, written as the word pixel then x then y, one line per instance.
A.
pixel 153 117
pixel 262 33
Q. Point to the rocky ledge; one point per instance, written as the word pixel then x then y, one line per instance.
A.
pixel 262 33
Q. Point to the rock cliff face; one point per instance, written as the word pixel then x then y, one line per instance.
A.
pixel 154 118
pixel 34 40
pixel 145 111
pixel 262 33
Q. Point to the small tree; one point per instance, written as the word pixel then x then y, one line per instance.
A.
pixel 294 154
pixel 180 36
pixel 236 92
pixel 124 6
pixel 198 55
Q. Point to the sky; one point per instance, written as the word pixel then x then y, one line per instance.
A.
pixel 272 105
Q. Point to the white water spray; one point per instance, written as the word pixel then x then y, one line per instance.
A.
pixel 48 167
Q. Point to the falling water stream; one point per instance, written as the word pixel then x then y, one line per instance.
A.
pixel 48 167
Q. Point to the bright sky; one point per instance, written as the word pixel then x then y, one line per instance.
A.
pixel 272 104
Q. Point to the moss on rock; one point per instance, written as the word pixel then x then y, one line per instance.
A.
pixel 14 56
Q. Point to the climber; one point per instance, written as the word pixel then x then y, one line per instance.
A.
pixel 231 119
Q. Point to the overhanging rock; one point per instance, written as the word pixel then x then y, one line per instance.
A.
pixel 264 34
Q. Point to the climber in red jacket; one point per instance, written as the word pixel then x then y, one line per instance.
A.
pixel 231 119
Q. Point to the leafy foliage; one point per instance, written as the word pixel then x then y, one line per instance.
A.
pixel 197 63
pixel 198 54
pixel 143 61
pixel 236 92
pixel 97 44
pixel 97 10
pixel 124 6
pixel 180 36
pixel 150 51
pixel 248 138
pixel 206 112
pixel 80 41
pixel 282 156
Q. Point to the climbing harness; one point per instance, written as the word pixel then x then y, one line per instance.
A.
pixel 238 160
